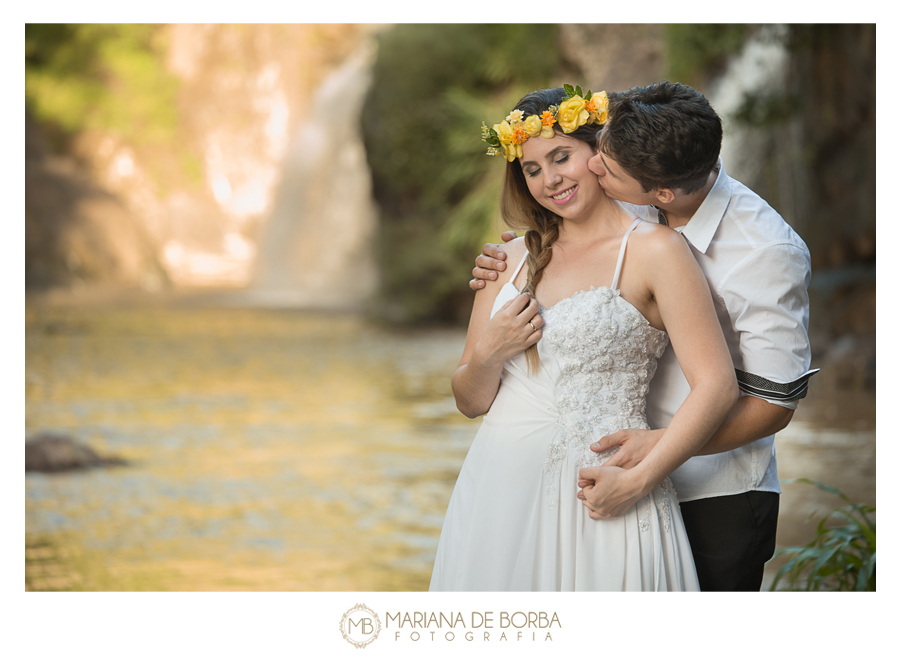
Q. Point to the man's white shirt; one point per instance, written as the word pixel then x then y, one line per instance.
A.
pixel 758 271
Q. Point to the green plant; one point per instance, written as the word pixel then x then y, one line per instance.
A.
pixel 840 557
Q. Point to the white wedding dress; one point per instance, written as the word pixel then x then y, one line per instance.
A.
pixel 514 522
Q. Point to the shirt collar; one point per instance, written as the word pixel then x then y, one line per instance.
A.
pixel 701 228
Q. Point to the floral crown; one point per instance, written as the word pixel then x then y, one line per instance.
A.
pixel 574 111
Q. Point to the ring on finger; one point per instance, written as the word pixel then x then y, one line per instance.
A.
pixel 533 328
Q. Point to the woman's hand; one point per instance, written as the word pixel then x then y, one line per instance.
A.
pixel 609 491
pixel 512 330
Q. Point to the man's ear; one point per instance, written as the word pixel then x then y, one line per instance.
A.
pixel 664 195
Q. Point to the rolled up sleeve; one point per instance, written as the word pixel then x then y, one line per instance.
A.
pixel 767 299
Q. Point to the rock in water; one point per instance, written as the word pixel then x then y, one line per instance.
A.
pixel 52 453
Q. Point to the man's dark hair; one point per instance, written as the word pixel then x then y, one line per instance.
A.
pixel 665 135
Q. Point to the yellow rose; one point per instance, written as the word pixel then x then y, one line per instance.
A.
pixel 600 107
pixel 572 114
pixel 533 125
pixel 504 132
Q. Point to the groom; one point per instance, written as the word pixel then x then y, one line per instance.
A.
pixel 659 154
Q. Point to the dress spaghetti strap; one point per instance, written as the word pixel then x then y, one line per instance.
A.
pixel 615 283
pixel 512 279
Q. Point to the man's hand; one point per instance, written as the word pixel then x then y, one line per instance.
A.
pixel 609 491
pixel 491 261
pixel 634 446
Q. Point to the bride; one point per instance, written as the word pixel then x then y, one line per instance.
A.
pixel 559 352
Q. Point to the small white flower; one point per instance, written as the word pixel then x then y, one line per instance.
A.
pixel 515 115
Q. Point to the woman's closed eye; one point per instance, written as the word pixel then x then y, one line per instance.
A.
pixel 531 172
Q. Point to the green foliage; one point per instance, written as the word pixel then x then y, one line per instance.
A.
pixel 840 558
pixel 111 79
pixel 104 77
pixel 433 86
pixel 697 50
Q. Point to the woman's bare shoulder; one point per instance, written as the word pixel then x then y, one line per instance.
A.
pixel 515 251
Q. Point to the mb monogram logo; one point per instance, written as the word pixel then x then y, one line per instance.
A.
pixel 360 626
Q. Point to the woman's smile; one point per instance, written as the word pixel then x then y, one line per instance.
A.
pixel 563 197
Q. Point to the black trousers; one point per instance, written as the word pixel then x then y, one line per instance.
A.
pixel 732 538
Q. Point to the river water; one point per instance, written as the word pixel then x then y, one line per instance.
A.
pixel 275 450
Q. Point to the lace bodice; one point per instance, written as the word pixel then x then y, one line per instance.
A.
pixel 607 354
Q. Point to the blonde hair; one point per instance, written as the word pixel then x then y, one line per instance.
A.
pixel 521 211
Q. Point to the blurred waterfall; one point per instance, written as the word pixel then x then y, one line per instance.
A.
pixel 316 246
pixel 761 70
